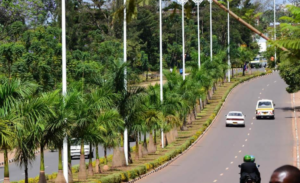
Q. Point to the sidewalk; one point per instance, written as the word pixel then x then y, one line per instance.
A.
pixel 295 101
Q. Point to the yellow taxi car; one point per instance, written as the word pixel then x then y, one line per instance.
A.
pixel 265 109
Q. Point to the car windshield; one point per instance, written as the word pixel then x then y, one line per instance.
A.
pixel 235 114
pixel 265 104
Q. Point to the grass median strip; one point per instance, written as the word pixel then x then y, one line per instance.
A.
pixel 183 141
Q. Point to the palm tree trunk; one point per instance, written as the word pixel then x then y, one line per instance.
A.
pixel 91 172
pixel 129 154
pixel 82 169
pixel 97 167
pixel 70 174
pixel 26 170
pixel 60 175
pixel 136 146
pixel 42 177
pixel 6 168
pixel 105 155
pixel 154 137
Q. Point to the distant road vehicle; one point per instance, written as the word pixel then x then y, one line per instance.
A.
pixel 75 149
pixel 265 109
pixel 236 118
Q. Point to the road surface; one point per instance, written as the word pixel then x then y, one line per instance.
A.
pixel 215 158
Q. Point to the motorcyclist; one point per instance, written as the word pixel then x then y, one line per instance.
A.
pixel 249 168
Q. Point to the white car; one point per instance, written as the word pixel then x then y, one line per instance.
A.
pixel 265 108
pixel 236 118
pixel 75 149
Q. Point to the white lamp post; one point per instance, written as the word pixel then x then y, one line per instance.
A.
pixel 125 81
pixel 210 22
pixel 161 66
pixel 198 2
pixel 182 2
pixel 228 29
pixel 64 84
pixel 275 30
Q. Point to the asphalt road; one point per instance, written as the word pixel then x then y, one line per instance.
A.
pixel 215 158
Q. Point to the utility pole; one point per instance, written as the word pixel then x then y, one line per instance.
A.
pixel 210 22
pixel 161 66
pixel 275 55
pixel 228 29
pixel 198 2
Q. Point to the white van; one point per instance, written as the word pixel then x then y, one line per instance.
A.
pixel 75 149
pixel 265 108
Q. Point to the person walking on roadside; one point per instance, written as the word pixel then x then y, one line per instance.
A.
pixel 285 174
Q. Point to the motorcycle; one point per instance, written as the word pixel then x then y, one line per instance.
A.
pixel 248 179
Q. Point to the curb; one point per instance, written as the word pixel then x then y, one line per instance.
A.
pixel 167 163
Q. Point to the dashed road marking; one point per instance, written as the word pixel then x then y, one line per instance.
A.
pixel 221 174
pixel 227 168
pixel 248 134
pixel 240 151
pixel 243 145
pixel 231 162
pixel 235 157
pixel 246 140
pixel 215 180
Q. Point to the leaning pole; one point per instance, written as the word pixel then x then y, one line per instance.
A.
pixel 246 24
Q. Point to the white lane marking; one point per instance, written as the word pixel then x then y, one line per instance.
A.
pixel 235 157
pixel 248 134
pixel 243 145
pixel 215 180
pixel 296 129
pixel 240 151
pixel 231 162
pixel 246 140
pixel 221 174
pixel 227 168
pixel 263 89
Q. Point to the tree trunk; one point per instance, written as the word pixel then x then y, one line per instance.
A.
pixel 26 170
pixel 97 167
pixel 42 177
pixel 105 155
pixel 155 137
pixel 136 146
pixel 6 167
pixel 70 174
pixel 82 168
pixel 91 171
pixel 129 154
pixel 60 175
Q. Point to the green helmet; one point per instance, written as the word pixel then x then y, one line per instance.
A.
pixel 247 158
pixel 252 158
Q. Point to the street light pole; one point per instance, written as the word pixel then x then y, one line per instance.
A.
pixel 210 20
pixel 125 80
pixel 275 30
pixel 183 45
pixel 228 29
pixel 64 84
pixel 198 2
pixel 161 66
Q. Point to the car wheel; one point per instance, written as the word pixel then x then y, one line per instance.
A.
pixel 273 117
pixel 257 117
pixel 227 125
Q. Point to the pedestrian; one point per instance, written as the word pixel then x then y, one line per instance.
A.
pixel 286 174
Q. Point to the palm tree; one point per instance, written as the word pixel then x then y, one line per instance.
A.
pixel 31 113
pixel 11 90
